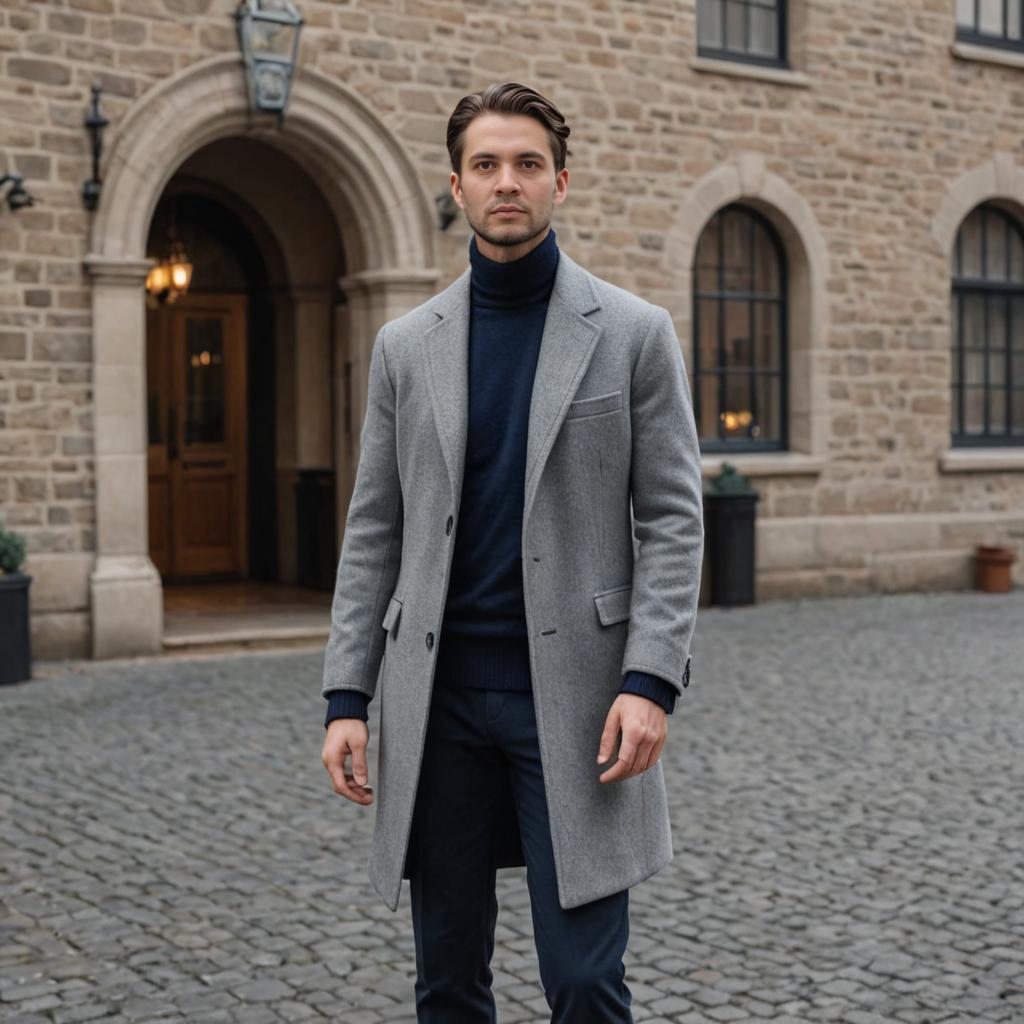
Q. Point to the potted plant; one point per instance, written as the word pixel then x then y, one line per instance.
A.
pixel 729 521
pixel 992 568
pixel 15 642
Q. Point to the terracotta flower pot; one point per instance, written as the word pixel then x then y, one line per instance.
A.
pixel 992 569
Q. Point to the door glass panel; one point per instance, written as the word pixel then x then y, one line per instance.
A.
pixel 205 380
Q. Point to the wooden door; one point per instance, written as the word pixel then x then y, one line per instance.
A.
pixel 198 522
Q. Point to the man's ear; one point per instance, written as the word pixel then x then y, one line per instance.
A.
pixel 456 187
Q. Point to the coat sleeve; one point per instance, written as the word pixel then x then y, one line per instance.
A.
pixel 371 550
pixel 667 509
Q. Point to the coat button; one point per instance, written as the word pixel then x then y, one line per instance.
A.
pixel 448 526
pixel 430 641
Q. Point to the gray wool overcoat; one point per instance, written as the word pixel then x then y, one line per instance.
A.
pixel 612 543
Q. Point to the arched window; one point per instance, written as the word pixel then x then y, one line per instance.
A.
pixel 988 330
pixel 739 330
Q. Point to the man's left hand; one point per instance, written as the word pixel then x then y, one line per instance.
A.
pixel 644 726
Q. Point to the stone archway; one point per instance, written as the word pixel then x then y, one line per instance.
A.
pixel 385 221
pixel 745 178
pixel 998 178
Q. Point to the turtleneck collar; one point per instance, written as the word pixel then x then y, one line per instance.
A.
pixel 518 283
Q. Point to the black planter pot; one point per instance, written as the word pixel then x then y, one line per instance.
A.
pixel 729 537
pixel 15 642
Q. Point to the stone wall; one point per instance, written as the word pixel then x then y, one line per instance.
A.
pixel 882 132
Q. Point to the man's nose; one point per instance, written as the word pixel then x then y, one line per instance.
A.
pixel 507 181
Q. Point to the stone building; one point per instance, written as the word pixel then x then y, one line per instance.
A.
pixel 829 198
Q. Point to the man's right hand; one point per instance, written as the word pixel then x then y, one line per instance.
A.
pixel 348 736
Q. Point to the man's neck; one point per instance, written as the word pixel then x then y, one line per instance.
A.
pixel 508 253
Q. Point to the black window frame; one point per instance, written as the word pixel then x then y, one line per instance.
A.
pixel 978 38
pixel 721 445
pixel 987 289
pixel 780 60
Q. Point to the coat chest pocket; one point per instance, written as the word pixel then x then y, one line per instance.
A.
pixel 583 407
pixel 391 615
pixel 613 605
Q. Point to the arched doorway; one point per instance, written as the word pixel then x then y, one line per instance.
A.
pixel 313 234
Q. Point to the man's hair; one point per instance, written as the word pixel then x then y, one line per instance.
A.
pixel 507 98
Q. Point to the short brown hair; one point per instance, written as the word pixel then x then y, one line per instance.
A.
pixel 508 98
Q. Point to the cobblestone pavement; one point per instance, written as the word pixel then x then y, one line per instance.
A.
pixel 847 792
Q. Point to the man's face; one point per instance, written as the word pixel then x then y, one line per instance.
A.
pixel 507 163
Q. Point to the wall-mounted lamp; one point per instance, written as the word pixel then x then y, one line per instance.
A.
pixel 95 122
pixel 268 34
pixel 447 208
pixel 17 197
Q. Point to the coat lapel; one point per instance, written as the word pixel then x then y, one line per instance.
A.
pixel 567 346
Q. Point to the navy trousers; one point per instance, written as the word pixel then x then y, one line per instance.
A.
pixel 474 737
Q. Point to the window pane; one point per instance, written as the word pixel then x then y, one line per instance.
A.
pixel 767 278
pixel 709 406
pixel 1018 411
pixel 997 369
pixel 995 248
pixel 737 417
pixel 1016 369
pixel 736 25
pixel 1017 325
pixel 997 322
pixel 997 411
pixel 709 23
pixel 738 339
pixel 1016 257
pixel 974 410
pixel 737 257
pixel 990 17
pixel 969 240
pixel 1013 26
pixel 707 328
pixel 973 318
pixel 974 367
pixel 965 13
pixel 763 24
pixel 767 351
pixel 205 380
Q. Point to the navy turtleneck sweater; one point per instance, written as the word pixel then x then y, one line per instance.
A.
pixel 483 640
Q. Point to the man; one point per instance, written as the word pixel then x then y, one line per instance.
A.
pixel 519 578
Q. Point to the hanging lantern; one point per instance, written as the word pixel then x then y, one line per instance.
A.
pixel 171 277
pixel 268 34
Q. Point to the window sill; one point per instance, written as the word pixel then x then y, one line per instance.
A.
pixel 981 460
pixel 740 69
pixel 764 464
pixel 988 54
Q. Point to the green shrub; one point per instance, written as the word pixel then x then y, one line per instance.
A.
pixel 12 551
pixel 728 481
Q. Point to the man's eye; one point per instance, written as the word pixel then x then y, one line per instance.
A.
pixel 532 163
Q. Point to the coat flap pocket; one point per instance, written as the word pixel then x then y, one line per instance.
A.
pixel 391 615
pixel 613 605
pixel 595 405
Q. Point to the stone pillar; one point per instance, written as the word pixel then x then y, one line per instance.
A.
pixel 373 298
pixel 312 319
pixel 125 587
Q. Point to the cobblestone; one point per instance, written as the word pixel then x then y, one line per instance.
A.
pixel 846 784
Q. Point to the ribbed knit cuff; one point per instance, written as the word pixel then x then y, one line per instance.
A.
pixel 346 704
pixel 661 691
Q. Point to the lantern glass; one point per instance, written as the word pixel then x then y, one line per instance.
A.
pixel 273 40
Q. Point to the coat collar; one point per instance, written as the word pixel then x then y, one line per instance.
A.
pixel 567 345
